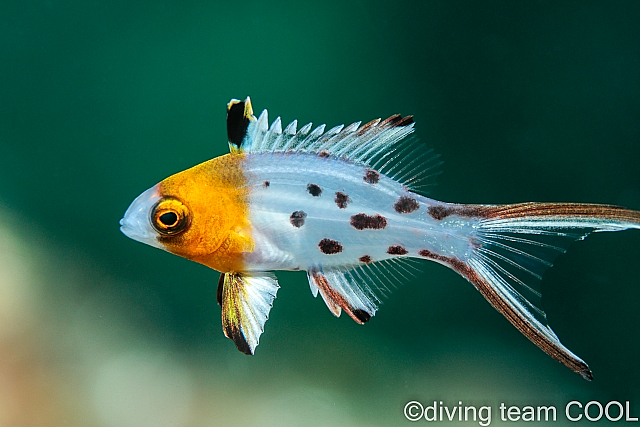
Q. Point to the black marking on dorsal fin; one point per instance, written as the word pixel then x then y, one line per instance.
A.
pixel 239 115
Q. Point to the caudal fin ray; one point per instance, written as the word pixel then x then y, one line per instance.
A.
pixel 515 240
pixel 489 256
pixel 514 245
pixel 529 258
pixel 518 311
pixel 522 261
pixel 554 216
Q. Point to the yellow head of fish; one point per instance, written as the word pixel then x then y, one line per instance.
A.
pixel 200 214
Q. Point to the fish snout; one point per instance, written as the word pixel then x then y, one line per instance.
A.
pixel 135 224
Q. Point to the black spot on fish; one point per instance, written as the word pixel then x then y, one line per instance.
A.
pixel 297 218
pixel 397 250
pixel 371 176
pixel 439 212
pixel 342 200
pixel 406 204
pixel 330 247
pixel 362 221
pixel 314 190
pixel 365 258
pixel 362 315
pixel 266 184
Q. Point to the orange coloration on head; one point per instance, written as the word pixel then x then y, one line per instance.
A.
pixel 217 231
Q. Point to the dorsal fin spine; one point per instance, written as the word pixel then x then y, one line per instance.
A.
pixel 312 137
pixel 326 138
pixel 291 128
pixel 352 127
pixel 375 143
pixel 272 134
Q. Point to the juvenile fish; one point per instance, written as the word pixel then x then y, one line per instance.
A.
pixel 345 205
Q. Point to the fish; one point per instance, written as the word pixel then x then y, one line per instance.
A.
pixel 348 206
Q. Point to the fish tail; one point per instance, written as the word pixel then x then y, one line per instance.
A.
pixel 513 245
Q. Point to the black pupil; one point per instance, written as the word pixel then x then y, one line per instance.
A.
pixel 168 218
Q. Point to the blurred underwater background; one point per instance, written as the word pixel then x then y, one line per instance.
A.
pixel 525 101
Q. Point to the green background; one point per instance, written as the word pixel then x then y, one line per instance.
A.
pixel 526 101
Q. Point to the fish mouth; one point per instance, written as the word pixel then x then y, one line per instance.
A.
pixel 135 224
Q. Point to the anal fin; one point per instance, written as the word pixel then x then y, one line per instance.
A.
pixel 339 293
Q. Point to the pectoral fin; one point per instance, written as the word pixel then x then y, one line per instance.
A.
pixel 246 301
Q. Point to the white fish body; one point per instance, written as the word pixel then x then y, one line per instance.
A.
pixel 290 220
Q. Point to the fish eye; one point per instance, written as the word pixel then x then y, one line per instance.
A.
pixel 169 216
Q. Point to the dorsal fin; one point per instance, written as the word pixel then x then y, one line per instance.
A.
pixel 354 142
pixel 379 144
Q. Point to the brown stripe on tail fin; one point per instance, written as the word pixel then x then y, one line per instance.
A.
pixel 600 216
pixel 512 246
pixel 493 288
pixel 566 215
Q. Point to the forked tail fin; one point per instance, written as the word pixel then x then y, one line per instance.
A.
pixel 514 245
